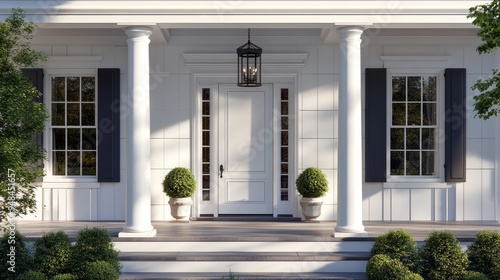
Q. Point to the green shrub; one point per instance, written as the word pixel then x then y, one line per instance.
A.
pixel 474 275
pixel 14 262
pixel 100 270
pixel 382 267
pixel 33 275
pixel 484 252
pixel 399 245
pixel 495 273
pixel 442 257
pixel 52 253
pixel 312 183
pixel 65 276
pixel 92 244
pixel 179 183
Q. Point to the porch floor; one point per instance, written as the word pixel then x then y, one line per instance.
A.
pixel 255 230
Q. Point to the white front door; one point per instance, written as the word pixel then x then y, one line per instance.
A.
pixel 245 150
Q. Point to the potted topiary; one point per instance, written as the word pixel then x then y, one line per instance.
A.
pixel 179 185
pixel 312 185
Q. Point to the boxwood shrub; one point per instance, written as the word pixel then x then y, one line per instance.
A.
pixel 65 276
pixel 474 275
pixel 100 270
pixel 399 245
pixel 484 252
pixel 179 183
pixel 383 267
pixel 92 244
pixel 20 256
pixel 32 275
pixel 52 253
pixel 312 183
pixel 442 257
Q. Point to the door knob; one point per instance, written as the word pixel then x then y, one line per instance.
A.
pixel 221 169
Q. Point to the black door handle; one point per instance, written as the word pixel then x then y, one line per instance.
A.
pixel 221 169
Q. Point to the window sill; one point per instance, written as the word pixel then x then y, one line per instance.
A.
pixel 416 185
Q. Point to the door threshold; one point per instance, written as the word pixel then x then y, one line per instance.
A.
pixel 248 218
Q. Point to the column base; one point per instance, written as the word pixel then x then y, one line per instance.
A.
pixel 347 231
pixel 149 233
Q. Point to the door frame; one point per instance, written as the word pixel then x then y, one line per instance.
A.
pixel 212 81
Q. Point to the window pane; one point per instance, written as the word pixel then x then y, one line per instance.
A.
pixel 414 89
pixel 412 163
pixel 206 168
pixel 205 108
pixel 413 138
pixel 206 122
pixel 284 108
pixel 206 182
pixel 73 116
pixel 397 138
pixel 205 94
pixel 58 114
pixel 284 168
pixel 429 114
pixel 284 138
pixel 284 181
pixel 284 195
pixel 89 163
pixel 73 139
pixel 58 138
pixel 73 163
pixel 428 163
pixel 88 114
pixel 206 154
pixel 284 122
pixel 284 94
pixel 414 113
pixel 430 88
pixel 206 195
pixel 206 138
pixel 88 89
pixel 59 163
pixel 428 136
pixel 73 91
pixel 58 89
pixel 399 114
pixel 89 139
pixel 397 163
pixel 398 88
pixel 284 154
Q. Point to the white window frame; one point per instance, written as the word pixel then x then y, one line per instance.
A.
pixel 415 181
pixel 49 177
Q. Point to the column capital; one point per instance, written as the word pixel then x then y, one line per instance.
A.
pixel 350 31
pixel 138 31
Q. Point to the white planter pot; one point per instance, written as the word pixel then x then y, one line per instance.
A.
pixel 311 208
pixel 180 208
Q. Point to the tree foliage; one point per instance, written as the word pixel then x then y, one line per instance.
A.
pixel 21 119
pixel 487 18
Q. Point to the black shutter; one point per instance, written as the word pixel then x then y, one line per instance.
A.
pixel 375 125
pixel 455 96
pixel 36 77
pixel 108 125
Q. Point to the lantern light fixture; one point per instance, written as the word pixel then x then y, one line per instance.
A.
pixel 249 64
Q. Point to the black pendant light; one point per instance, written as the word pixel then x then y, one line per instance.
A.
pixel 249 64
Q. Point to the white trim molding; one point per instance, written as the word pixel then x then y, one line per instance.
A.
pixel 415 61
pixel 229 60
pixel 72 62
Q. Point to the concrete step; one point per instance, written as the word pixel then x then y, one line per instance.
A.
pixel 271 258
pixel 243 276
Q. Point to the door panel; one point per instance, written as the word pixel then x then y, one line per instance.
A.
pixel 245 150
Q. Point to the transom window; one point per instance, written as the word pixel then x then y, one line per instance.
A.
pixel 414 125
pixel 73 125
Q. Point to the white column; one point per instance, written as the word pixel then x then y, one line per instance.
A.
pixel 350 161
pixel 138 208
